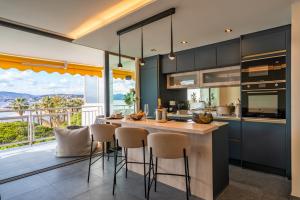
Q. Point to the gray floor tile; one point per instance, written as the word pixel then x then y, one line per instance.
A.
pixel 71 183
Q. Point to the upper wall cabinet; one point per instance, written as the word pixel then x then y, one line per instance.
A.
pixel 168 66
pixel 205 57
pixel 264 42
pixel 228 53
pixel 185 60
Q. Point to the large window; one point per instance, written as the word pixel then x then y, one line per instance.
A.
pixel 122 85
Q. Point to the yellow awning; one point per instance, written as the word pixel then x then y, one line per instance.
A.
pixel 123 74
pixel 36 64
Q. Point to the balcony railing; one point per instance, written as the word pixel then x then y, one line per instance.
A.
pixel 36 125
pixel 125 109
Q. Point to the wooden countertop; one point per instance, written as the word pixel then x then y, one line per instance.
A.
pixel 183 127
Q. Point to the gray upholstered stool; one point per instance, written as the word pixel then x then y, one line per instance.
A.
pixel 128 137
pixel 103 133
pixel 166 145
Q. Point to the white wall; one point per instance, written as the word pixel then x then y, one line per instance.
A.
pixel 27 44
pixel 295 98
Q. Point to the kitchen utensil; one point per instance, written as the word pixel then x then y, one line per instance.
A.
pixel 223 110
pixel 161 115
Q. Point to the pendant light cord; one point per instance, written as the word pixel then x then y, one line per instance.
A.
pixel 142 44
pixel 171 34
pixel 119 49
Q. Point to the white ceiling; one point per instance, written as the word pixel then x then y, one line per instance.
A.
pixel 199 22
pixel 60 16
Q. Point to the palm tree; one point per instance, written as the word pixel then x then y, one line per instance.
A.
pixel 36 107
pixel 19 105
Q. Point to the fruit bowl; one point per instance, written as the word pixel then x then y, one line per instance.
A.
pixel 137 116
pixel 202 118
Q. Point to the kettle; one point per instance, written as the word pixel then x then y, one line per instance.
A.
pixel 161 115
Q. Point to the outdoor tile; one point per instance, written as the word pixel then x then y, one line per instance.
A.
pixel 15 188
pixel 44 193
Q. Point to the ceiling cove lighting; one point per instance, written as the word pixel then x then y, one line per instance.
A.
pixel 108 16
pixel 172 54
pixel 142 48
pixel 228 30
pixel 120 64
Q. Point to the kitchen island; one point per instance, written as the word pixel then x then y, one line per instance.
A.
pixel 208 157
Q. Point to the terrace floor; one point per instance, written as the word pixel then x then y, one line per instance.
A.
pixel 70 182
pixel 26 159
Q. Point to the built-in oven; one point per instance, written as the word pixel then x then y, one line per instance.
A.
pixel 264 99
pixel 264 69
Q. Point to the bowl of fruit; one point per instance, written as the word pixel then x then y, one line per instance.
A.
pixel 137 116
pixel 202 118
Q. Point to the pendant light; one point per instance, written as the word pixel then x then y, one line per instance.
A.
pixel 142 48
pixel 120 64
pixel 172 54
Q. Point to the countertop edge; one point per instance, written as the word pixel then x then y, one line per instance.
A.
pixel 214 126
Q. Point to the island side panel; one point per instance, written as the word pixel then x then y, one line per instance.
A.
pixel 220 160
pixel 200 161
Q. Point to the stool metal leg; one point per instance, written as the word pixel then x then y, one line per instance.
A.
pixel 188 171
pixel 144 162
pixel 91 152
pixel 115 165
pixel 107 150
pixel 126 156
pixel 149 173
pixel 186 174
pixel 155 174
pixel 103 152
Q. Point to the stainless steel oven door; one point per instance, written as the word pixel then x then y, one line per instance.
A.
pixel 264 103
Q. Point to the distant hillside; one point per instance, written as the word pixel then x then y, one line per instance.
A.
pixel 118 97
pixel 12 95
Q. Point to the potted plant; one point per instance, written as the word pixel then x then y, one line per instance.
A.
pixel 130 98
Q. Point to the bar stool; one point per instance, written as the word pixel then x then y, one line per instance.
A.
pixel 126 138
pixel 165 145
pixel 101 133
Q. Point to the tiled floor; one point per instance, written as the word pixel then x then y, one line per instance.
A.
pixel 25 159
pixel 70 183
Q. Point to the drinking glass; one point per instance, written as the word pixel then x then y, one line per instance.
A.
pixel 146 110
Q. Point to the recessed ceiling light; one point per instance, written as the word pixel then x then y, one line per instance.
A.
pixel 228 30
pixel 153 50
pixel 183 42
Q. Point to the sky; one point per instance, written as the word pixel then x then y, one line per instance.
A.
pixel 41 83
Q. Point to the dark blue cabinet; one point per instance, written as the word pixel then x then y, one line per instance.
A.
pixel 264 42
pixel 168 66
pixel 264 144
pixel 185 60
pixel 149 84
pixel 228 53
pixel 234 139
pixel 205 57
